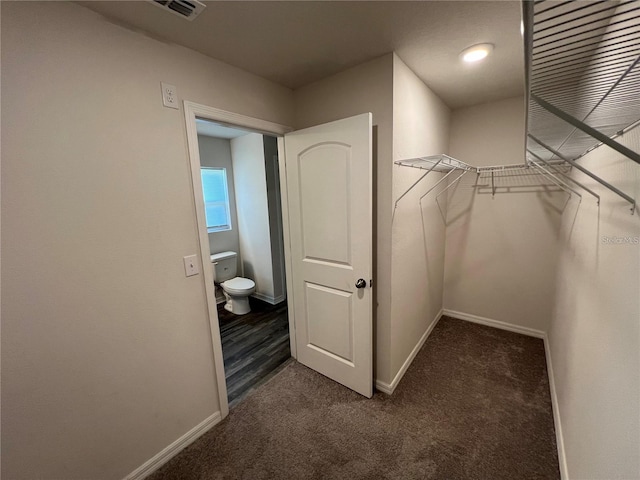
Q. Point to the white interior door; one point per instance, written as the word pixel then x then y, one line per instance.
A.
pixel 330 209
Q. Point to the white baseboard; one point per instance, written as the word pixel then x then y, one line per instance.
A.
pixel 172 450
pixel 389 388
pixel 562 459
pixel 532 332
pixel 383 387
pixel 268 298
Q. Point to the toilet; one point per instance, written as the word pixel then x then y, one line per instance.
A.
pixel 236 289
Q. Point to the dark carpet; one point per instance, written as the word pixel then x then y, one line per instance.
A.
pixel 254 346
pixel 474 404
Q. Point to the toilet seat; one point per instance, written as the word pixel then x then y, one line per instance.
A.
pixel 238 286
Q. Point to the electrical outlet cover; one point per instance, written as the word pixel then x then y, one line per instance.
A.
pixel 169 95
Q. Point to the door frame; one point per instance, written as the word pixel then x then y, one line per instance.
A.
pixel 231 119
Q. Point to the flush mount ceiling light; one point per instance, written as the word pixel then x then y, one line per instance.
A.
pixel 476 53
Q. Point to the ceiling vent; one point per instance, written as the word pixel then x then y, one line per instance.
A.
pixel 183 8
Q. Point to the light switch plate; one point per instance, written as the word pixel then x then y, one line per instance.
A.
pixel 169 95
pixel 191 265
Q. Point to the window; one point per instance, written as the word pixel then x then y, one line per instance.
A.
pixel 216 199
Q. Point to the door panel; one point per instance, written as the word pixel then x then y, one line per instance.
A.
pixel 329 181
pixel 330 320
pixel 324 191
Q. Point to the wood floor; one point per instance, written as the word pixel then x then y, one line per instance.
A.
pixel 254 346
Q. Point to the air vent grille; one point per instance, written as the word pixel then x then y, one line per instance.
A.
pixel 183 8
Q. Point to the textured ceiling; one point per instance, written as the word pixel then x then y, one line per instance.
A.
pixel 297 43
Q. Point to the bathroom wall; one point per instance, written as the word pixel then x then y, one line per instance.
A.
pixel 275 216
pixel 250 182
pixel 216 152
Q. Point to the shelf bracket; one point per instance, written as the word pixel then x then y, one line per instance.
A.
pixel 415 183
pixel 452 183
pixel 587 172
pixel 554 170
pixel 556 180
pixel 438 183
pixel 493 186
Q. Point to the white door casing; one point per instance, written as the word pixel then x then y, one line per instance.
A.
pixel 329 180
pixel 191 112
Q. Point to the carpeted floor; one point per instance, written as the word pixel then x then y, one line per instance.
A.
pixel 474 404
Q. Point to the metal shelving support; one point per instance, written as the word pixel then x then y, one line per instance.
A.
pixel 556 180
pixel 437 163
pixel 557 171
pixel 582 66
pixel 416 182
pixel 436 184
pixel 452 183
pixel 587 172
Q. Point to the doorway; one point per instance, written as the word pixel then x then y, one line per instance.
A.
pixel 326 182
pixel 246 125
pixel 241 190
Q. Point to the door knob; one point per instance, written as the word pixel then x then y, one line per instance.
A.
pixel 361 283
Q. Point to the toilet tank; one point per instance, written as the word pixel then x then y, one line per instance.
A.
pixel 224 264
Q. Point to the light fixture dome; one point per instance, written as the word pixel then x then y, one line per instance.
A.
pixel 476 53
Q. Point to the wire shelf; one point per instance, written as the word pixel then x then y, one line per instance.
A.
pixel 584 59
pixel 436 163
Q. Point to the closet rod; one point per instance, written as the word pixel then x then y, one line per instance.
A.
pixel 586 129
pixel 564 175
pixel 587 172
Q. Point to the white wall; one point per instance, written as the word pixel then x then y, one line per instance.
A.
pixel 420 127
pixel 501 252
pixel 365 88
pixel 106 345
pixel 250 180
pixel 595 331
pixel 274 200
